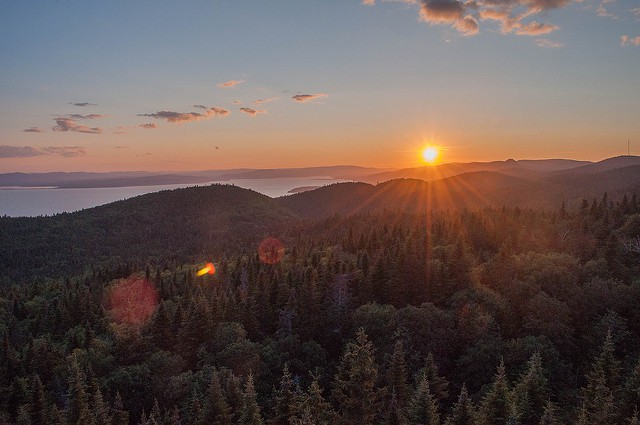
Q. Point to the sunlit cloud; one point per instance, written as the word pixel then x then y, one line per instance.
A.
pixel 230 83
pixel 82 104
pixel 261 101
pixel 625 40
pixel 185 117
pixel 66 151
pixel 252 112
pixel 28 151
pixel 68 124
pixel 33 130
pixel 304 98
pixel 149 126
pixel 543 42
pixel 465 16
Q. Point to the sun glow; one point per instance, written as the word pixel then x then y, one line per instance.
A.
pixel 430 154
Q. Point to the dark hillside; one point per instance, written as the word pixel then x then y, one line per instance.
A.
pixel 164 226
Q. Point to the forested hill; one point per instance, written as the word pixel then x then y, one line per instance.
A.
pixel 173 226
pixel 471 190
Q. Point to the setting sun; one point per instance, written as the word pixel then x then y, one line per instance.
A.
pixel 430 154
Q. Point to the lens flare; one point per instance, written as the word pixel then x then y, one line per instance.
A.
pixel 271 251
pixel 208 269
pixel 131 302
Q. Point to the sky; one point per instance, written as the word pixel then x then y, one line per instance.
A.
pixel 193 85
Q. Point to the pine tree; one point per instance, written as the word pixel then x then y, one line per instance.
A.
pixel 397 375
pixel 24 415
pixel 497 407
pixel 250 414
pixel 423 408
pixel 354 386
pixel 631 394
pixel 633 420
pixel 78 412
pixel 283 399
pixel 217 411
pixel 120 416
pixel 463 412
pixel 314 407
pixel 531 392
pixel 600 395
pixel 39 403
pixel 100 409
pixel 155 417
pixel 549 415
pixel 438 385
pixel 394 414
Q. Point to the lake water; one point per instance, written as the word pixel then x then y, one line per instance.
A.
pixel 19 202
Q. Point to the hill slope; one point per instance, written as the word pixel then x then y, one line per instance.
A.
pixel 163 226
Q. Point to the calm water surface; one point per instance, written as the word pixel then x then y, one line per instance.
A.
pixel 48 201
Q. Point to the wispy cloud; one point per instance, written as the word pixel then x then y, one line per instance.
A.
pixel 305 98
pixel 33 130
pixel 28 151
pixel 543 42
pixel 261 101
pixel 636 12
pixel 66 151
pixel 68 124
pixel 185 117
pixel 82 104
pixel 625 40
pixel 200 106
pixel 230 83
pixel 252 112
pixel 536 28
pixel 149 126
pixel 85 117
pixel 18 151
pixel 465 15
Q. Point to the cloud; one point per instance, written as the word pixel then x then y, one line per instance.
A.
pixel 82 104
pixel 261 101
pixel 66 151
pixel 252 112
pixel 304 98
pixel 68 124
pixel 185 117
pixel 200 106
pixel 230 83
pixel 543 42
pixel 149 125
pixel 536 28
pixel 465 15
pixel 33 130
pixel 85 117
pixel 625 40
pixel 28 151
pixel 18 151
pixel 636 12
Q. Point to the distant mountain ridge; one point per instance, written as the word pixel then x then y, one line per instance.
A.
pixel 147 178
pixel 510 166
